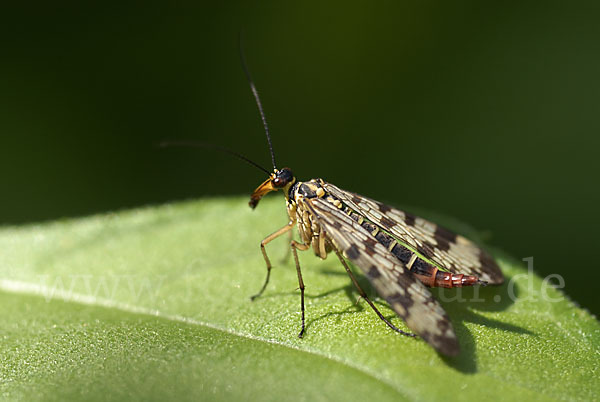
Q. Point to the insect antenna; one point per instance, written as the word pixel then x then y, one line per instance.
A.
pixel 257 98
pixel 196 144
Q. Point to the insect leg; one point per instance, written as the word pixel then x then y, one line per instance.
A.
pixel 294 245
pixel 288 250
pixel 263 243
pixel 364 295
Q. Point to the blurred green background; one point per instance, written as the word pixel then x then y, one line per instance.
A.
pixel 484 111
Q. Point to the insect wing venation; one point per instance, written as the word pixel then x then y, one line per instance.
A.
pixel 408 297
pixel 450 251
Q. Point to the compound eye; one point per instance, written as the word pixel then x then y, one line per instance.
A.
pixel 283 177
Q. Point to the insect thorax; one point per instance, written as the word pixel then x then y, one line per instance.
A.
pixel 298 211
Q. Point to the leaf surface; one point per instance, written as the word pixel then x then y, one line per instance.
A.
pixel 153 303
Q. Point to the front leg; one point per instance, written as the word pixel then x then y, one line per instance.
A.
pixel 263 243
pixel 285 258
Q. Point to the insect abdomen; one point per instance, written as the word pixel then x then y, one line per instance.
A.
pixel 427 273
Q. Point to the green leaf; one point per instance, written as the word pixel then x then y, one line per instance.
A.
pixel 154 303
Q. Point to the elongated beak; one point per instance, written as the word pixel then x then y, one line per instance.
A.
pixel 265 188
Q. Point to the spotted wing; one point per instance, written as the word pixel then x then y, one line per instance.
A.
pixel 446 249
pixel 409 298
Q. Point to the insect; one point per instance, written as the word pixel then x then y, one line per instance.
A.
pixel 400 254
